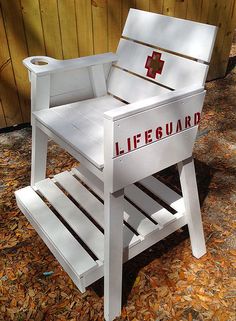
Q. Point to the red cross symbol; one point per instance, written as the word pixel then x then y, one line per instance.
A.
pixel 154 64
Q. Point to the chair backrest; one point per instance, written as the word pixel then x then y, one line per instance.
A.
pixel 160 53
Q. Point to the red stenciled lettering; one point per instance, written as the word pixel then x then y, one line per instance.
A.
pixel 136 139
pixel 129 144
pixel 187 121
pixel 169 128
pixel 197 117
pixel 178 126
pixel 148 138
pixel 118 151
pixel 158 132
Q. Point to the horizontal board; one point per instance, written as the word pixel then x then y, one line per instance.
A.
pixel 151 158
pixel 161 215
pixel 165 193
pixel 80 125
pixel 91 204
pixel 185 37
pixel 131 88
pixel 83 227
pixel 176 73
pixel 157 123
pixel 60 241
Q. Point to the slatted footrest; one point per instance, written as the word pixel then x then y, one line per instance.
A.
pixel 67 212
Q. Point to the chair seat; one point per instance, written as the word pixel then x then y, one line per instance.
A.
pixel 80 125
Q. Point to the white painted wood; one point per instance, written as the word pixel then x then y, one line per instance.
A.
pixel 40 92
pixel 80 125
pixel 98 80
pixel 74 259
pixel 161 215
pixel 166 194
pixel 83 227
pixel 38 154
pixel 131 88
pixel 151 102
pixel 177 72
pixel 113 213
pixel 193 212
pixel 139 222
pixel 180 114
pixel 161 154
pixel 91 204
pixel 185 37
pixel 54 65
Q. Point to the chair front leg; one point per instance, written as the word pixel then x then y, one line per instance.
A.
pixel 113 253
pixel 192 206
pixel 38 154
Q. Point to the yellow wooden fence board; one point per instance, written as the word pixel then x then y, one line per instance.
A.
pixel 84 27
pixel 169 7
pixel 67 19
pixel 126 5
pixel 194 10
pixel 99 14
pixel 18 51
pixel 51 28
pixel 156 6
pixel 33 27
pixel 205 11
pixel 114 24
pixel 2 117
pixel 181 8
pixel 142 5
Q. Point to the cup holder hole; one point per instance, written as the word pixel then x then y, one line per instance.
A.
pixel 38 62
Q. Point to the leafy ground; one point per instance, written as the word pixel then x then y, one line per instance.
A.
pixel 163 283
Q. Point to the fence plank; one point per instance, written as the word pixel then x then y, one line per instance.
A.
pixel 67 19
pixel 194 10
pixel 156 6
pixel 51 28
pixel 142 5
pixel 84 27
pixel 114 24
pixel 18 51
pixel 181 8
pixel 126 5
pixel 169 7
pixel 2 117
pixel 99 13
pixel 33 27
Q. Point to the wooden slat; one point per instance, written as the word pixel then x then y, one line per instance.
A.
pixel 131 88
pixel 205 11
pixel 33 27
pixel 181 8
pixel 67 19
pixel 166 194
pixel 169 7
pixel 82 226
pixel 51 28
pixel 114 24
pixel 184 37
pixel 149 206
pixel 156 6
pixel 62 244
pixel 132 216
pixel 126 5
pixel 194 10
pixel 142 5
pixel 2 117
pixel 18 51
pixel 177 72
pixel 91 204
pixel 100 37
pixel 84 27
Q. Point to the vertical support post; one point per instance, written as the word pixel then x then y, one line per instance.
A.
pixel 113 260
pixel 40 99
pixel 98 81
pixel 192 206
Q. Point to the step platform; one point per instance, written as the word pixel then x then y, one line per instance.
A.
pixel 67 212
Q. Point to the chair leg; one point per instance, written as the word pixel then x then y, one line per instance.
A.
pixel 39 154
pixel 192 206
pixel 113 260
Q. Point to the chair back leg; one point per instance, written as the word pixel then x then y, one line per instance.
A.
pixel 192 207
pixel 39 154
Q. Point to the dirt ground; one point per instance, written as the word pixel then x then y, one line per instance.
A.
pixel 164 282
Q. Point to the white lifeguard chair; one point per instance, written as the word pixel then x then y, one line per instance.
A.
pixel 124 117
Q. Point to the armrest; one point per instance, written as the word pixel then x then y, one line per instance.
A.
pixel 42 65
pixel 148 103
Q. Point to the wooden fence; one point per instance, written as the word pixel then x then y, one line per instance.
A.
pixel 70 28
